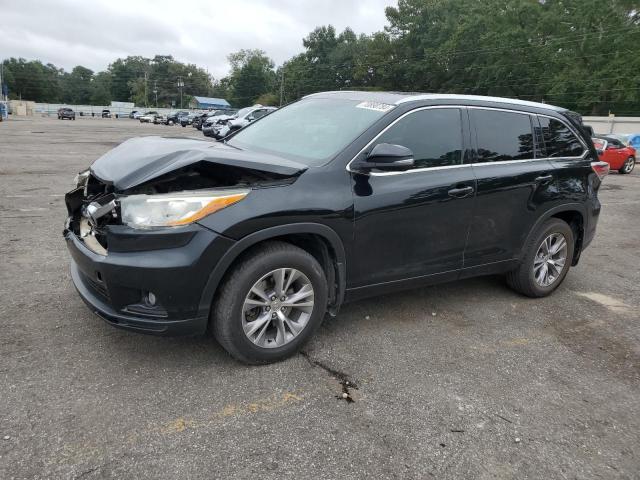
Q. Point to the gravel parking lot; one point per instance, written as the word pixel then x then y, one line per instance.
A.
pixel 463 380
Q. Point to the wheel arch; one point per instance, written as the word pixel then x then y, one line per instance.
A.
pixel 575 215
pixel 319 240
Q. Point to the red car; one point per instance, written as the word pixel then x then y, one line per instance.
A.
pixel 618 155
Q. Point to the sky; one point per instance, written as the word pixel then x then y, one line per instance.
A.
pixel 93 33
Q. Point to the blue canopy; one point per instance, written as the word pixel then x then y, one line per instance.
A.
pixel 209 102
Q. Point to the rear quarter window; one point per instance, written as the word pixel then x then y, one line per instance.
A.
pixel 559 140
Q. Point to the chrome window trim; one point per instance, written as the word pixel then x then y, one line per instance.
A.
pixel 546 159
pixel 416 170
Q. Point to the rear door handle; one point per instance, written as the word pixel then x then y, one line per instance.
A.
pixel 460 192
pixel 544 178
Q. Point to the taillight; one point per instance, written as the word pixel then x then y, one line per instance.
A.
pixel 600 168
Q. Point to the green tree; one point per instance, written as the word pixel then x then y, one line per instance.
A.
pixel 77 86
pixel 101 89
pixel 31 80
pixel 252 74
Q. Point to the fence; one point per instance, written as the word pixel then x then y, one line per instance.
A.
pixel 96 110
pixel 613 124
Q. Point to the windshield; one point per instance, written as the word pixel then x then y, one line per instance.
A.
pixel 311 131
pixel 243 111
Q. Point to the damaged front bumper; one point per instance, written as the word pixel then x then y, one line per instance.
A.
pixel 150 281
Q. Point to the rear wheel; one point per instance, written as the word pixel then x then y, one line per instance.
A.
pixel 628 166
pixel 270 304
pixel 546 261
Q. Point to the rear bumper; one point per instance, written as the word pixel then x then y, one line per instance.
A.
pixel 175 266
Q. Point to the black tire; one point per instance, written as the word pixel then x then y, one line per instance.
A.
pixel 628 166
pixel 226 314
pixel 522 279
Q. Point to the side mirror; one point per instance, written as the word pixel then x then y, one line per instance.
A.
pixel 388 156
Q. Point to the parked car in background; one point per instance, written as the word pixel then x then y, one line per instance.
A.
pixel 188 119
pixel 200 119
pixel 243 118
pixel 336 197
pixel 106 113
pixel 148 117
pixel 628 139
pixel 211 123
pixel 67 113
pixel 174 117
pixel 619 156
pixel 133 114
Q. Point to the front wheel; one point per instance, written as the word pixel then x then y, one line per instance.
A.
pixel 628 166
pixel 270 304
pixel 546 261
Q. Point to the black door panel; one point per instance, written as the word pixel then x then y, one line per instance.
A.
pixel 509 199
pixel 414 223
pixel 409 225
pixel 514 187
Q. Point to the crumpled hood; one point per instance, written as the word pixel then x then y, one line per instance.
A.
pixel 218 118
pixel 141 159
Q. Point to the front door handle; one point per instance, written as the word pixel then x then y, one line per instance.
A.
pixel 544 178
pixel 460 192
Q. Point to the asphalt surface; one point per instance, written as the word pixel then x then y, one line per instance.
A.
pixel 462 380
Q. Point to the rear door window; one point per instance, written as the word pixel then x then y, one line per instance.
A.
pixel 434 135
pixel 559 140
pixel 502 136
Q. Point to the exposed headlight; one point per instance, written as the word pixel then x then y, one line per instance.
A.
pixel 173 209
pixel 81 178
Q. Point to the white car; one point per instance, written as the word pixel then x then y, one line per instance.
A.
pixel 148 117
pixel 214 122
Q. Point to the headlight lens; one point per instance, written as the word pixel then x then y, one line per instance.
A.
pixel 173 209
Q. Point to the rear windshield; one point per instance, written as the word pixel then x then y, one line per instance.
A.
pixel 310 131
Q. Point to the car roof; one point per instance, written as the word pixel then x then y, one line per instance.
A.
pixel 607 137
pixel 397 98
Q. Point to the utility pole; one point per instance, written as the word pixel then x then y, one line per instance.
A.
pixel 155 90
pixel 146 102
pixel 281 86
pixel 180 84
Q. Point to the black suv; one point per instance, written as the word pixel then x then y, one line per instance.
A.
pixel 67 113
pixel 336 197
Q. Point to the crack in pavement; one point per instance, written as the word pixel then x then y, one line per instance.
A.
pixel 346 383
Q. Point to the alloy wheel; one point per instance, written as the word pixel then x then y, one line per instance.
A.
pixel 628 166
pixel 277 308
pixel 550 259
